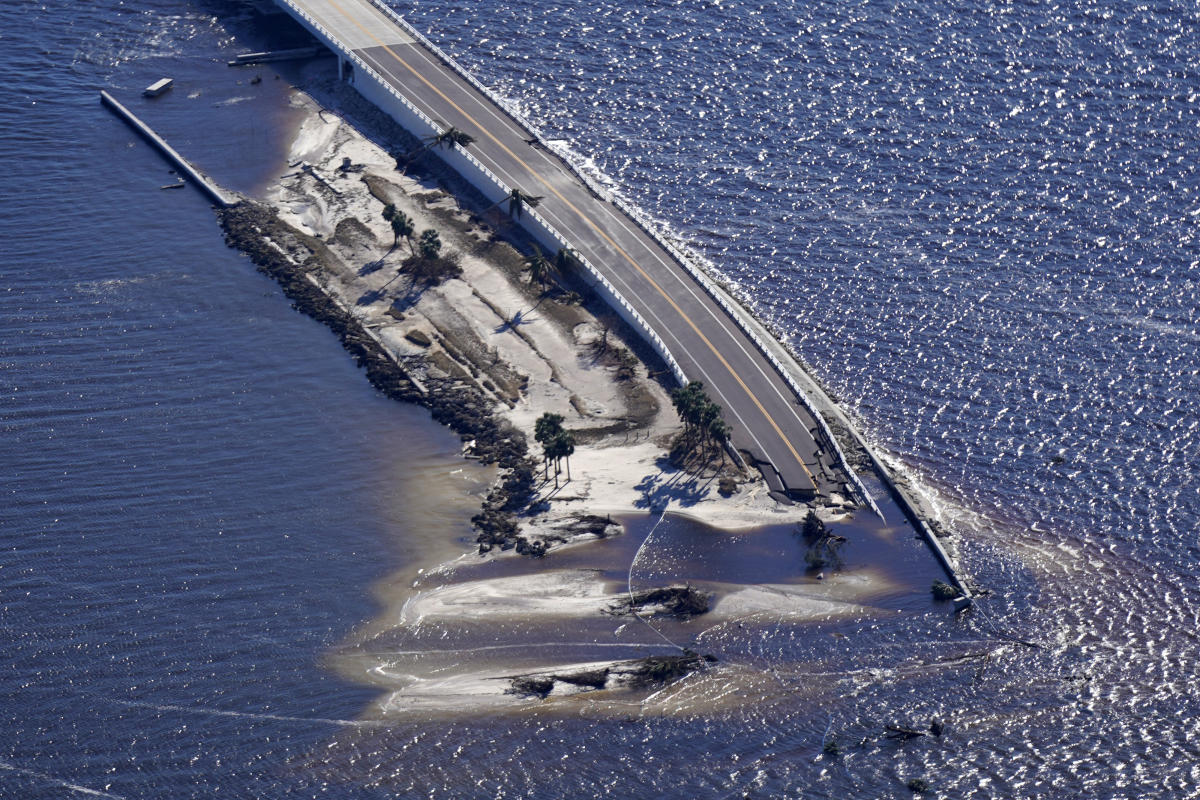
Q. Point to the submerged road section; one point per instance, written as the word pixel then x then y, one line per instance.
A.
pixel 768 419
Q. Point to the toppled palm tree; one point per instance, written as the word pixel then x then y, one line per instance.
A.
pixel 450 135
pixel 517 201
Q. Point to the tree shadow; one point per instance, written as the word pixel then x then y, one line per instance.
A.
pixel 544 491
pixel 371 296
pixel 517 320
pixel 669 483
pixel 371 267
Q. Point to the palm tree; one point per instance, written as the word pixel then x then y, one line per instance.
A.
pixel 561 446
pixel 401 226
pixel 719 432
pixel 564 447
pixel 689 402
pixel 702 422
pixel 430 244
pixel 547 427
pixel 539 267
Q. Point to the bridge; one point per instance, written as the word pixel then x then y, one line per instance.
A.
pixel 700 333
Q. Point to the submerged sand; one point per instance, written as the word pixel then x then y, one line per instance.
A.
pixel 450 638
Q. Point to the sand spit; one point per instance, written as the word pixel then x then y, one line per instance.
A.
pixel 490 331
pixel 489 352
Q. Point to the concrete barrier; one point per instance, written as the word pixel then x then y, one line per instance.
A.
pixel 200 179
pixel 374 88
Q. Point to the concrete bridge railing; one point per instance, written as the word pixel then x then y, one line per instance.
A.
pixel 378 91
pixel 737 313
pixel 495 190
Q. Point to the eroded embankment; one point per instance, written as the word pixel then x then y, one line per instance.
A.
pixel 293 259
pixel 489 349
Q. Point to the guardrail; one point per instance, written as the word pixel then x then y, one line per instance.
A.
pixel 615 297
pixel 735 313
pixel 623 306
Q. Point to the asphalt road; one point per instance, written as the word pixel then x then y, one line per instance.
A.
pixel 767 419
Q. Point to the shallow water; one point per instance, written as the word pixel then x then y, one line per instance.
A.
pixel 977 223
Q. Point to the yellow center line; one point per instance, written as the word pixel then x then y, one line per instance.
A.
pixel 600 231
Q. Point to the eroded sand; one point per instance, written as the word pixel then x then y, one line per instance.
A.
pixel 450 641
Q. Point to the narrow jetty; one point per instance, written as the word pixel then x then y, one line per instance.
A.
pixel 206 185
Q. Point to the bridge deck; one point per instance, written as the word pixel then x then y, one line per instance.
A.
pixel 767 419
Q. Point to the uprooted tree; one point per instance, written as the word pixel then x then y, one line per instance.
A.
pixel 823 545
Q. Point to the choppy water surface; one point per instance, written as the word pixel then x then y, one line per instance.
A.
pixel 977 222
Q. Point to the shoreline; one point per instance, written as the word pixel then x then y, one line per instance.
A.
pixel 487 355
pixel 320 234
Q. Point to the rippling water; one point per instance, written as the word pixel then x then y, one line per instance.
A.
pixel 198 486
pixel 978 223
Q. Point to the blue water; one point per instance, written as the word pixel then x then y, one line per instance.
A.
pixel 978 223
pixel 198 487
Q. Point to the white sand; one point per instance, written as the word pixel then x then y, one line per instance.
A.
pixel 605 475
pixel 549 366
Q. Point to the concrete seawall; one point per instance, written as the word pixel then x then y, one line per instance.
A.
pixel 215 193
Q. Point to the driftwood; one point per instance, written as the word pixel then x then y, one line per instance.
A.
pixel 902 733
pixel 936 727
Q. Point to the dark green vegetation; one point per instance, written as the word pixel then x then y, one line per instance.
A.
pixel 704 431
pixel 401 226
pixel 557 443
pixel 430 244
pixel 425 266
